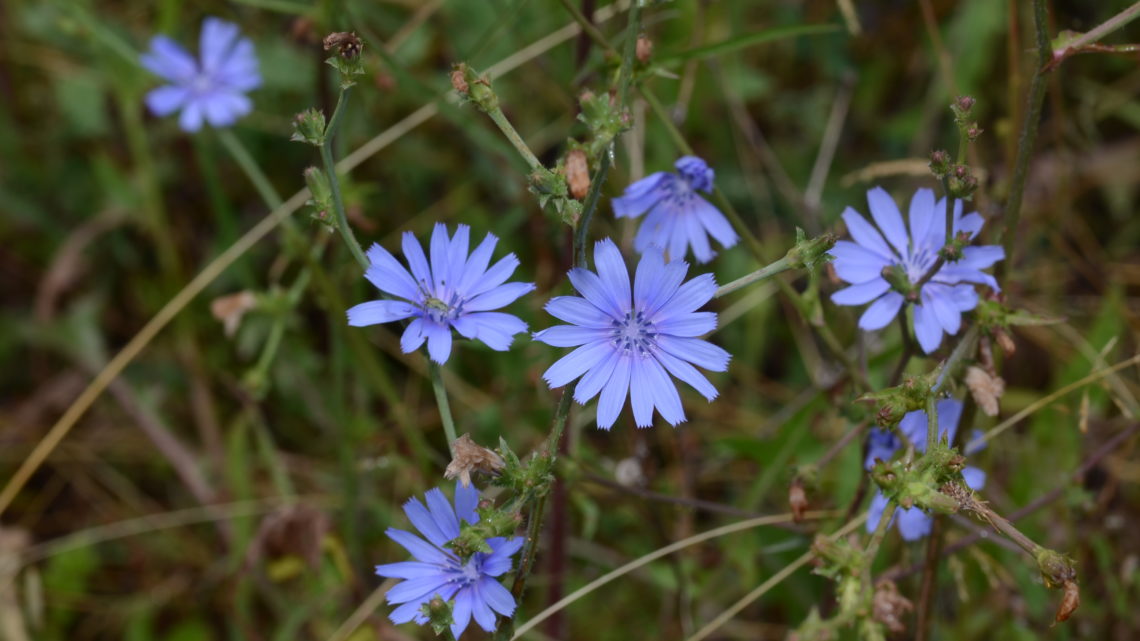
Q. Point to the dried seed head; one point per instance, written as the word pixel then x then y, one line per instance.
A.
pixel 644 49
pixel 577 173
pixel 1069 602
pixel 1005 341
pixel 348 46
pixel 797 499
pixel 985 388
pixel 230 309
pixel 467 456
pixel 889 607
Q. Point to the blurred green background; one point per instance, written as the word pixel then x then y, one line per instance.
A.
pixel 106 213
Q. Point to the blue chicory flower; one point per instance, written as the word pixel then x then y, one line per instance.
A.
pixel 453 291
pixel 678 216
pixel 949 292
pixel 437 571
pixel 630 339
pixel 913 523
pixel 212 89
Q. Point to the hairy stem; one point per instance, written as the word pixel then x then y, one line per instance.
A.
pixel 330 171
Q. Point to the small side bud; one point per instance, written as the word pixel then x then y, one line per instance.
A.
pixel 809 253
pixel 644 49
pixel 797 500
pixel 962 182
pixel 965 104
pixel 577 173
pixel 474 88
pixel 973 131
pixel 458 83
pixel 439 614
pixel 309 126
pixel 939 163
pixel 347 44
pixel 321 200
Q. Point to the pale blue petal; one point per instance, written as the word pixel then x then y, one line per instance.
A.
pixel 457 255
pixel 914 523
pixel 415 589
pixel 578 311
pixel 936 237
pixel 887 217
pixel 439 341
pixel 689 298
pixel 875 511
pixel 417 261
pixel 419 548
pixel 499 297
pixel 714 222
pixel 971 223
pixel 595 290
pixel 496 596
pixel 975 478
pixel 652 232
pixel 655 282
pixel 477 264
pixel 913 426
pixel 425 522
pixel 921 216
pixel 963 297
pixel 862 293
pixel 439 247
pixel 442 513
pixel 481 611
pixel 570 335
pixel 495 329
pixel 596 378
pixel 576 363
pixel 408 612
pixel 223 108
pixel 191 118
pixel 466 500
pixel 495 276
pixel 927 329
pixel 167 99
pixel 613 273
pixel 866 235
pixel 686 373
pixel 461 613
pixel 413 336
pixel 857 264
pixel 379 311
pixel 937 299
pixel 881 312
pixel 691 324
pixel 949 414
pixel 640 394
pixel 980 257
pixel 951 274
pixel 696 351
pixel 665 396
pixel 407 570
pixel 642 195
pixel 613 394
pixel 167 59
pixel 389 276
pixel 216 42
pixel 697 237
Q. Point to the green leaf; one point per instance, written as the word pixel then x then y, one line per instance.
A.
pixel 745 41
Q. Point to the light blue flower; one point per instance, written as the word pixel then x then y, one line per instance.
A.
pixel 678 216
pixel 913 523
pixel 212 89
pixel 437 571
pixel 453 291
pixel 631 340
pixel 941 301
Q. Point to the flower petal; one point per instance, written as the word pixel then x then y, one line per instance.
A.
pixel 857 264
pixel 457 256
pixel 613 273
pixel 425 522
pixel 936 298
pixel 389 276
pixel 223 108
pixel 596 378
pixel 914 523
pixel 696 351
pixel 980 257
pixel 596 291
pixel 640 196
pixel 714 222
pixel 887 217
pixel 697 236
pixel 482 612
pixel 379 311
pixel 216 42
pixel 975 478
pixel 865 234
pixel 496 596
pixel 881 312
pixel 167 59
pixel 440 247
pixel 665 396
pixel 640 393
pixel 417 261
pixel 656 281
pixel 921 216
pixel 689 297
pixel 191 118
pixel 495 329
pixel 419 548
pixel 407 570
pixel 500 296
pixel 570 335
pixel 686 373
pixel 442 513
pixel 413 336
pixel 167 99
pixel 466 500
pixel 461 613
pixel 439 341
pixel 861 293
pixel 579 311
pixel 495 276
pixel 614 393
pixel 476 265
pixel 927 329
pixel 691 324
pixel 576 363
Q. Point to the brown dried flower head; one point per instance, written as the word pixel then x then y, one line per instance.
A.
pixel 1069 602
pixel 577 173
pixel 346 43
pixel 985 388
pixel 889 607
pixel 230 309
pixel 467 456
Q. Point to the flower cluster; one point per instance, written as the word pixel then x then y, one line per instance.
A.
pixel 943 295
pixel 679 217
pixel 629 338
pixel 913 523
pixel 210 89
pixel 438 572
pixel 454 290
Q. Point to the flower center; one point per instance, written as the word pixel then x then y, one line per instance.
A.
pixel 919 261
pixel 634 334
pixel 439 311
pixel 470 572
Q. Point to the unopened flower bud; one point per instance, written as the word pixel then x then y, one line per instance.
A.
pixel 474 88
pixel 964 103
pixel 458 82
pixel 644 49
pixel 962 183
pixel 973 131
pixel 577 173
pixel 309 126
pixel 347 44
pixel 939 163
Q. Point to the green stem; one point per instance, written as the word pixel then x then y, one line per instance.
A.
pixel 581 234
pixel 441 401
pixel 334 183
pixel 961 350
pixel 931 422
pixel 505 126
pixel 764 273
pixel 1034 102
pixel 879 533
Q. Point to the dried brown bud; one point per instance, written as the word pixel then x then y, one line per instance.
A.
pixel 458 82
pixel 348 46
pixel 889 607
pixel 797 499
pixel 577 173
pixel 985 388
pixel 644 49
pixel 1005 342
pixel 230 309
pixel 1069 602
pixel 467 456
